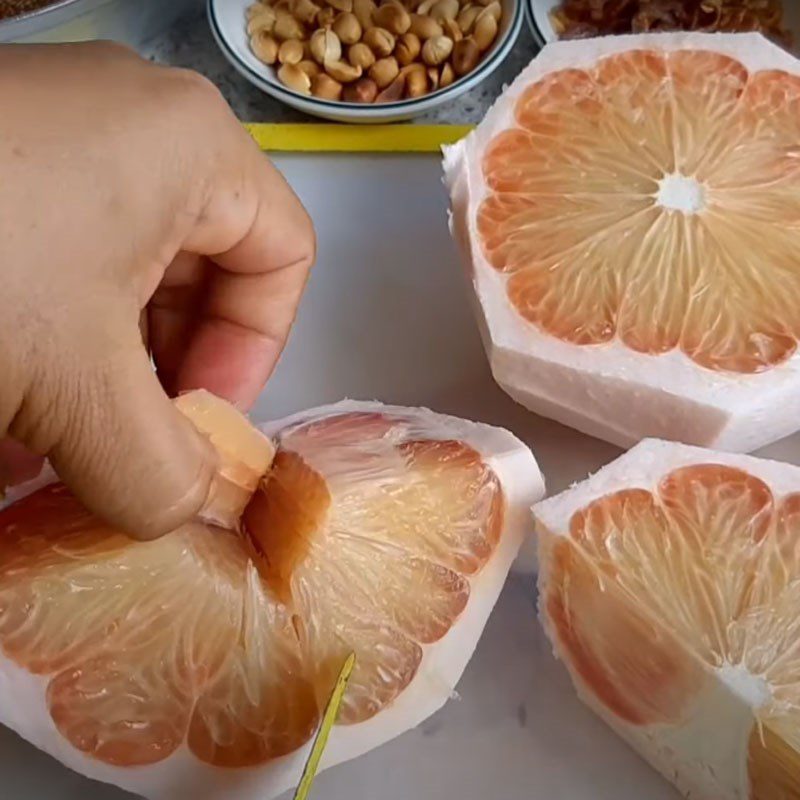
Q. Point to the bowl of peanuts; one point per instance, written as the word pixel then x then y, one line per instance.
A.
pixel 365 60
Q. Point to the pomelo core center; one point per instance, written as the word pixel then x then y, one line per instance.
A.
pixel 677 192
pixel 752 689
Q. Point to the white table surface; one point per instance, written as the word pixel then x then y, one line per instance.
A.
pixel 386 316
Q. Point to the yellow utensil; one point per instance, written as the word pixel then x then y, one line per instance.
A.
pixel 324 138
pixel 317 749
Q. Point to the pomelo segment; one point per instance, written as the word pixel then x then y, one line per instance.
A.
pixel 244 453
pixel 670 587
pixel 365 529
pixel 628 217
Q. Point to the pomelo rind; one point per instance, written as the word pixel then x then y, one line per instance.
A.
pixel 610 391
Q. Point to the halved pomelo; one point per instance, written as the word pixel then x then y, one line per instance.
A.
pixel 630 219
pixel 197 665
pixel 670 587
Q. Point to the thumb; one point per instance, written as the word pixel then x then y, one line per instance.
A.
pixel 122 447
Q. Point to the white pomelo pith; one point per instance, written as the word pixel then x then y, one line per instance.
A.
pixel 372 459
pixel 669 587
pixel 680 337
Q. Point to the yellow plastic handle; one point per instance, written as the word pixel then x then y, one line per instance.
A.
pixel 328 719
pixel 323 138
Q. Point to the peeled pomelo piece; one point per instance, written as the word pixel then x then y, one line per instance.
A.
pixel 244 454
pixel 670 587
pixel 203 660
pixel 628 216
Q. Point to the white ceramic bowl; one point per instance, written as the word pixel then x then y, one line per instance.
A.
pixel 132 22
pixel 227 20
pixel 538 15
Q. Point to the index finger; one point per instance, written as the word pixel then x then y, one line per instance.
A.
pixel 259 236
pixel 242 332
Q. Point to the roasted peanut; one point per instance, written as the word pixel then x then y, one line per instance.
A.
pixel 384 71
pixel 364 90
pixel 347 27
pixel 416 80
pixel 290 52
pixel 445 9
pixel 359 55
pixel 304 10
pixel 393 17
pixel 393 92
pixel 364 9
pixel 287 27
pixel 437 50
pixel 324 86
pixel 495 9
pixel 380 41
pixel 264 47
pixel 485 31
pixel 366 51
pixel 466 55
pixel 425 27
pixel 325 46
pixel 253 10
pixel 446 76
pixel 292 76
pixel 466 18
pixel 311 68
pixel 342 71
pixel 262 20
pixel 451 30
pixel 407 49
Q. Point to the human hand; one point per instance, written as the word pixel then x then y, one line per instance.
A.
pixel 133 206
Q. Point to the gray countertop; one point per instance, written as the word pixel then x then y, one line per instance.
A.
pixel 190 44
pixel 516 730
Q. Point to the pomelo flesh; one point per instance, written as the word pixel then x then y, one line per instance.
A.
pixel 627 213
pixel 203 660
pixel 669 588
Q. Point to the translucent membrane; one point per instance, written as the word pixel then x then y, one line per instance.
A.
pixel 360 538
pixel 652 200
pixel 654 595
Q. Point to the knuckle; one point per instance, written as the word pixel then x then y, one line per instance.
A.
pixel 307 249
pixel 197 89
